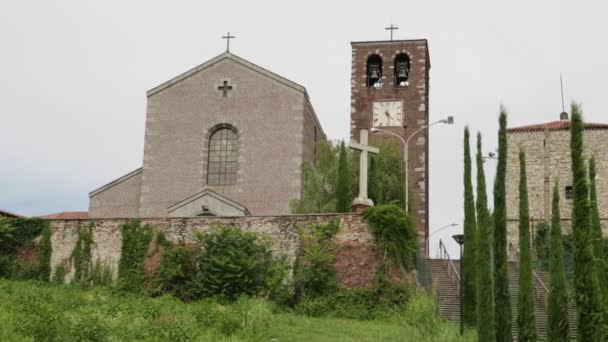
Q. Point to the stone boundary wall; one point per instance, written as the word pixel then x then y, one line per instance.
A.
pixel 356 260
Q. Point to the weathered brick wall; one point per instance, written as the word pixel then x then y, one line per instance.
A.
pixel 356 259
pixel 415 103
pixel 558 142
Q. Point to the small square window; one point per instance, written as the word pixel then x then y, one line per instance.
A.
pixel 568 190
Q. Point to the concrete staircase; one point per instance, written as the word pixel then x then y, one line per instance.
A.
pixel 449 297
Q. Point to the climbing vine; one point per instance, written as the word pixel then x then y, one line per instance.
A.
pixel 81 255
pixel 394 235
pixel 135 240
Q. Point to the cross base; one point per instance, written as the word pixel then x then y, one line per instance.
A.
pixel 360 204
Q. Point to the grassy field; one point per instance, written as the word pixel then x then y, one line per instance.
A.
pixel 42 312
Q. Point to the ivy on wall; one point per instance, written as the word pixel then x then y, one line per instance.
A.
pixel 81 255
pixel 135 240
pixel 19 234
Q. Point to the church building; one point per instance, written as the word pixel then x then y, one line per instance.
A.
pixel 226 138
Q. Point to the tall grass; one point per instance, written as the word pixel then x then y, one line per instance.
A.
pixel 43 312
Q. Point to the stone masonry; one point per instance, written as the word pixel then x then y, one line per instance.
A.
pixel 356 259
pixel 559 164
pixel 415 103
pixel 276 128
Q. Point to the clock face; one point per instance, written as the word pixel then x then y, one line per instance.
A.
pixel 387 113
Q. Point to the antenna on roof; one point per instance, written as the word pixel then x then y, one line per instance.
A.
pixel 561 84
pixel 563 115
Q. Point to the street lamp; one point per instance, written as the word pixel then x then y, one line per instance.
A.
pixel 449 120
pixel 428 239
pixel 459 238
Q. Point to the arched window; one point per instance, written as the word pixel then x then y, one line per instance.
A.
pixel 223 155
pixel 402 70
pixel 374 71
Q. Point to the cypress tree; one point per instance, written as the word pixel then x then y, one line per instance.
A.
pixel 469 263
pixel 374 181
pixel 485 297
pixel 343 193
pixel 501 273
pixel 526 319
pixel 597 238
pixel 557 304
pixel 585 278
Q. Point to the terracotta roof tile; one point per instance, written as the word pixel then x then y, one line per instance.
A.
pixel 6 213
pixel 554 126
pixel 67 215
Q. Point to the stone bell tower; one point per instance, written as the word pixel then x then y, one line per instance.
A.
pixel 390 91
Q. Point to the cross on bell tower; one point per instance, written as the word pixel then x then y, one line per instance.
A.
pixel 392 28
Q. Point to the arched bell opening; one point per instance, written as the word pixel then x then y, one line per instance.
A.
pixel 374 71
pixel 402 70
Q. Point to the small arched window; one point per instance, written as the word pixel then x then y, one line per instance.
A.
pixel 223 155
pixel 374 71
pixel 402 70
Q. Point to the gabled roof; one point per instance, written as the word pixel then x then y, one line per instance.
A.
pixel 236 59
pixel 554 126
pixel 209 194
pixel 115 182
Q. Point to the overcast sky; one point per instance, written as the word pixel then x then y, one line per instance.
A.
pixel 74 76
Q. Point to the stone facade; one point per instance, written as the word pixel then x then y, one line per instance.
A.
pixel 415 102
pixel 276 130
pixel 356 261
pixel 559 168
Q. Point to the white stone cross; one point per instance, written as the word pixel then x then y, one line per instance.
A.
pixel 364 148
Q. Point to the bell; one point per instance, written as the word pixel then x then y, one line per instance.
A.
pixel 374 74
pixel 402 74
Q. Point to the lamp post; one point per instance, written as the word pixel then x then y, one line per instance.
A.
pixel 449 120
pixel 459 238
pixel 437 231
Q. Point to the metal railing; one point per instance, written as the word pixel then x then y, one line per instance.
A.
pixel 537 278
pixel 453 273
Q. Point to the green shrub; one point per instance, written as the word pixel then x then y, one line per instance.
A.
pixel 232 263
pixel 87 327
pixel 59 274
pixel 381 301
pixel 316 274
pixel 175 272
pixel 101 274
pixel 394 235
pixel 16 233
pixel 135 241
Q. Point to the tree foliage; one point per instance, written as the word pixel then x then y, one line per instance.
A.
pixel 501 276
pixel 596 237
pixel 319 180
pixel 588 298
pixel 485 278
pixel 135 240
pixel 557 303
pixel 325 189
pixel 469 261
pixel 526 319
pixel 344 196
pixel 387 175
pixel 394 234
pixel 232 263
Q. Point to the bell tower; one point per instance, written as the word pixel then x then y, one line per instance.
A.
pixel 390 91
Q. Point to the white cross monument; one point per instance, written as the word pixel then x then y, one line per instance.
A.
pixel 361 202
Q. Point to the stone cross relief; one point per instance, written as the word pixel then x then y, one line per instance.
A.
pixel 362 146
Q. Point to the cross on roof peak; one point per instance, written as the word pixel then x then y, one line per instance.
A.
pixel 228 37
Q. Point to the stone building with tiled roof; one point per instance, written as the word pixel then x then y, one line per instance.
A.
pixel 547 147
